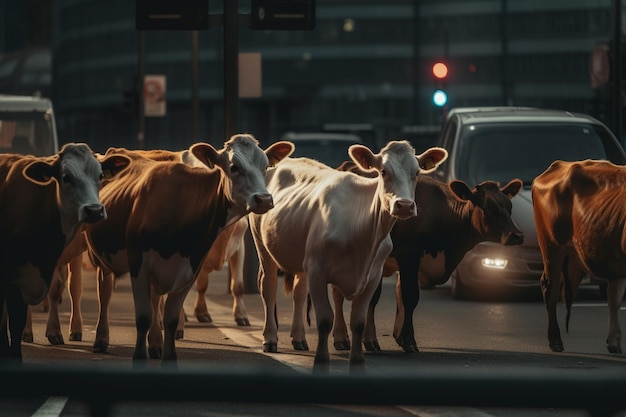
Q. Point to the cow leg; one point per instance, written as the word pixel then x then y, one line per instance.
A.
pixel 551 290
pixel 268 287
pixel 407 298
pixel 340 328
pixel 104 283
pixel 180 328
pixel 53 326
pixel 171 316
pixel 200 309
pixel 237 286
pixel 27 334
pixel 75 288
pixel 358 314
pixel 299 296
pixel 370 340
pixel 16 317
pixel 155 333
pixel 4 330
pixel 615 293
pixel 143 312
pixel 318 288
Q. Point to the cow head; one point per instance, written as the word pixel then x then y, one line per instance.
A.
pixel 77 172
pixel 398 167
pixel 491 216
pixel 244 163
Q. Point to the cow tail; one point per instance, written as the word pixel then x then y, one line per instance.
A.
pixel 308 309
pixel 567 292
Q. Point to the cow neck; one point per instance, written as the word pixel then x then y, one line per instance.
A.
pixel 465 216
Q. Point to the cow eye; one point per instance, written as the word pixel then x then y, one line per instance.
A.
pixel 383 172
pixel 67 179
pixel 101 176
pixel 234 168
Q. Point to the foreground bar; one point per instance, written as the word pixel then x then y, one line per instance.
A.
pixel 600 393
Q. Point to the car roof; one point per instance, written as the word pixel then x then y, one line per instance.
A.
pixel 327 136
pixel 15 103
pixel 521 114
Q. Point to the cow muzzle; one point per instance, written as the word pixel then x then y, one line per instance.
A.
pixel 92 213
pixel 512 238
pixel 403 208
pixel 262 203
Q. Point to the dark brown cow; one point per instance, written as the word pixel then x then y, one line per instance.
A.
pixel 165 216
pixel 44 202
pixel 427 248
pixel 580 218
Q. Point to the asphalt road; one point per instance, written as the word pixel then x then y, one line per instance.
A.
pixel 485 339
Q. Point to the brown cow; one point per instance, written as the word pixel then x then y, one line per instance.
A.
pixel 164 218
pixel 44 202
pixel 580 218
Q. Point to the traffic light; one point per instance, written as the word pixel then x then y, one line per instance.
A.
pixel 440 75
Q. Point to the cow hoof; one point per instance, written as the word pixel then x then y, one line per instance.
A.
pixel 409 348
pixel 342 345
pixel 556 347
pixel 27 337
pixel 100 346
pixel 614 349
pixel 56 340
pixel 372 346
pixel 179 334
pixel 155 353
pixel 204 318
pixel 300 345
pixel 243 321
pixel 76 337
pixel 270 347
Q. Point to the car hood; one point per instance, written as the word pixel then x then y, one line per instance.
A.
pixel 522 214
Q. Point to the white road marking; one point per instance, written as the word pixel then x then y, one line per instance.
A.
pixel 52 407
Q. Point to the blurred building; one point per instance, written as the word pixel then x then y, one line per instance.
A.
pixel 366 64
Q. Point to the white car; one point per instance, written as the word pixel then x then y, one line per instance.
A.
pixel 503 143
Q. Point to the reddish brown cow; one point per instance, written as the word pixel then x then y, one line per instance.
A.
pixel 164 218
pixel 580 218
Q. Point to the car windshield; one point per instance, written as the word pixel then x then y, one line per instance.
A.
pixel 501 152
pixel 26 133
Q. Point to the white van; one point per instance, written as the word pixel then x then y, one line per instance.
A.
pixel 27 126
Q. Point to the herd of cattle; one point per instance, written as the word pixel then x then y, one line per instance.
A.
pixel 170 218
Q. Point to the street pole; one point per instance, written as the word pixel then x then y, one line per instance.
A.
pixel 140 102
pixel 616 71
pixel 194 86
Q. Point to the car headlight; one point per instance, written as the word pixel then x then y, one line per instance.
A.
pixel 494 263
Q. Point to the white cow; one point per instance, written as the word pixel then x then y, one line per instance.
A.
pixel 332 227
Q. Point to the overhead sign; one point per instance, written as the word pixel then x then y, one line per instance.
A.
pixel 250 75
pixel 599 67
pixel 154 88
pixel 172 14
pixel 282 14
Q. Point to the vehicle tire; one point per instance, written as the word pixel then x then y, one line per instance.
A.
pixel 459 291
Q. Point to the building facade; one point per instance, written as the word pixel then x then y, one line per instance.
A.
pixel 367 64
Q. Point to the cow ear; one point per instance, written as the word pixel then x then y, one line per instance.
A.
pixel 278 151
pixel 206 154
pixel 431 158
pixel 113 165
pixel 461 190
pixel 40 172
pixel 364 157
pixel 512 188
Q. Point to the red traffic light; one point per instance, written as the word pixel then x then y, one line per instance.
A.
pixel 440 70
